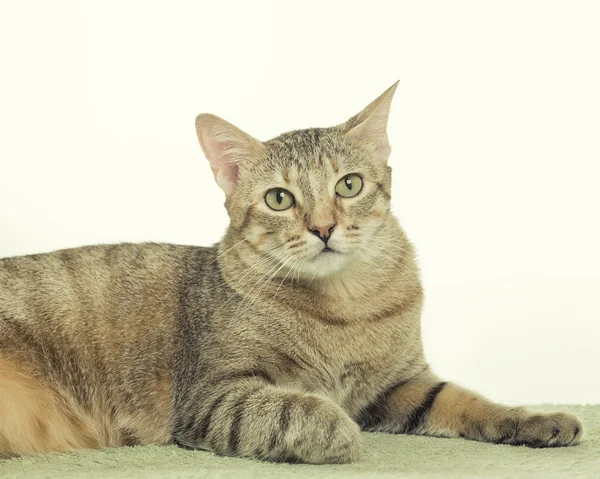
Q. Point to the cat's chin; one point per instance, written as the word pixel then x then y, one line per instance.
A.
pixel 326 263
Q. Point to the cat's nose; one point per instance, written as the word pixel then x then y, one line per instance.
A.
pixel 323 232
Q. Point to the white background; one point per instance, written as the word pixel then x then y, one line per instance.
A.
pixel 494 131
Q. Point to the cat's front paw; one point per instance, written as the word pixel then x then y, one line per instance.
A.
pixel 541 430
pixel 321 432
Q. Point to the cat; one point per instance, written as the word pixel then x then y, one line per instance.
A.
pixel 282 342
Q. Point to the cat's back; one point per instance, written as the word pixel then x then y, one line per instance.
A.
pixel 96 287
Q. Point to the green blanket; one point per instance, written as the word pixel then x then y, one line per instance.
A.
pixel 385 456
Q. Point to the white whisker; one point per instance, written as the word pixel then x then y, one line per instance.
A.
pixel 227 251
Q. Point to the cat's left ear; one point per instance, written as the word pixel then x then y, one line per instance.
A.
pixel 226 147
pixel 369 127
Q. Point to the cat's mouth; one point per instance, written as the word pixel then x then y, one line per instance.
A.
pixel 326 254
pixel 327 251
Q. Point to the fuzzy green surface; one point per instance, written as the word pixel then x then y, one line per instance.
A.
pixel 385 456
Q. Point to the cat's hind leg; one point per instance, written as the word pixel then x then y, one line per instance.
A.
pixel 34 419
pixel 425 405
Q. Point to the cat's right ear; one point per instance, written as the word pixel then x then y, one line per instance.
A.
pixel 225 147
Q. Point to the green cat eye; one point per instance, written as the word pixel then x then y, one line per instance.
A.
pixel 349 186
pixel 279 199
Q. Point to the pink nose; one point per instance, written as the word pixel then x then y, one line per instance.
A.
pixel 323 232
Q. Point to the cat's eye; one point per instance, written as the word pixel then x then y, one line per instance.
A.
pixel 279 199
pixel 349 186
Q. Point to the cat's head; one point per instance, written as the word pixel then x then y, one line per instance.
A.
pixel 312 200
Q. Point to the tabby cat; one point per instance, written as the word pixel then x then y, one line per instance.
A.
pixel 281 342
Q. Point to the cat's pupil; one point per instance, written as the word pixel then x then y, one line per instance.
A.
pixel 280 195
pixel 348 183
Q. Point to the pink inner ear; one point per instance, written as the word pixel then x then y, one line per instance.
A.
pixel 224 171
pixel 226 178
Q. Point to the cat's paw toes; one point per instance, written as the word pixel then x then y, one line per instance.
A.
pixel 543 430
pixel 549 430
pixel 345 445
pixel 325 435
